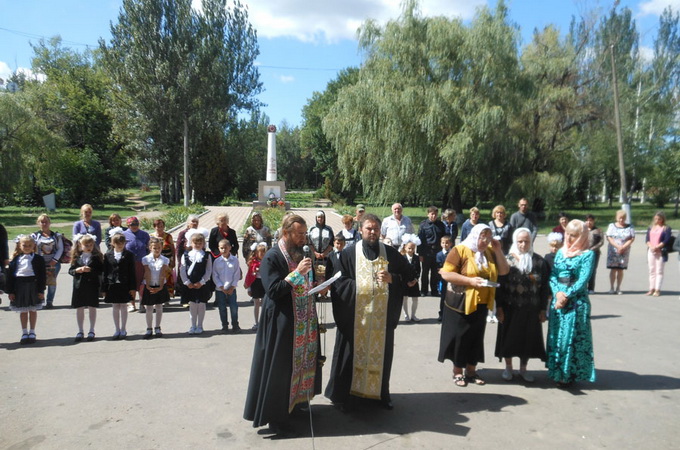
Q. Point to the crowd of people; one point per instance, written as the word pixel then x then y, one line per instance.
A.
pixel 375 269
pixel 127 266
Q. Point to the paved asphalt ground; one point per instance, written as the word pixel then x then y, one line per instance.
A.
pixel 182 391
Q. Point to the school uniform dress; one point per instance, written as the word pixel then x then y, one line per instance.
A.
pixel 119 276
pixel 196 266
pixel 413 291
pixel 26 279
pixel 86 284
pixel 155 266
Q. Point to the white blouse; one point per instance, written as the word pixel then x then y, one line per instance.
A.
pixel 155 266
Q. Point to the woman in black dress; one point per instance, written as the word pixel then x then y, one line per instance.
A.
pixel 521 302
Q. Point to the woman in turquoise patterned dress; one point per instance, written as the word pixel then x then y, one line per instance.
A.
pixel 570 339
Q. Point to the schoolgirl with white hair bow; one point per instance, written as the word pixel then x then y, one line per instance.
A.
pixel 409 243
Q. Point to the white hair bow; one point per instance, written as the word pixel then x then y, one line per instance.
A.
pixel 78 237
pixel 115 230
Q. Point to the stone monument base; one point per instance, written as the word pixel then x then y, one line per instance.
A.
pixel 268 191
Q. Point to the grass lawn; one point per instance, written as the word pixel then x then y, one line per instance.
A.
pixel 22 220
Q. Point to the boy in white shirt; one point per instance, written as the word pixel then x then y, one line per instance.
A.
pixel 226 273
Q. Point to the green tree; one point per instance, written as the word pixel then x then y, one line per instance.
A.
pixel 73 102
pixel 27 147
pixel 430 112
pixel 297 167
pixel 183 72
pixel 313 140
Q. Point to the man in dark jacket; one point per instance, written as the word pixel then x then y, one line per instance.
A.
pixel 430 234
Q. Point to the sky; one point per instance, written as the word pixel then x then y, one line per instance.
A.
pixel 303 43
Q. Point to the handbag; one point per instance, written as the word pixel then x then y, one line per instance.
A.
pixel 455 298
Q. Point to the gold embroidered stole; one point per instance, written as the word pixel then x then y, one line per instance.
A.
pixel 370 323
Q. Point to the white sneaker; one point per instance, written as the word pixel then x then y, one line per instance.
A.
pixel 199 330
pixel 507 374
pixel 488 319
pixel 591 291
pixel 415 319
pixel 619 292
pixel 494 319
pixel 526 377
pixel 192 330
pixel 611 291
pixel 406 317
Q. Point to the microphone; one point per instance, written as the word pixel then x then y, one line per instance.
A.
pixel 306 251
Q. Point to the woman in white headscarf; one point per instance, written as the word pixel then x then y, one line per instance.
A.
pixel 521 302
pixel 570 338
pixel 473 266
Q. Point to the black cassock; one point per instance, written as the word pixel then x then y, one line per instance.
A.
pixel 269 387
pixel 344 300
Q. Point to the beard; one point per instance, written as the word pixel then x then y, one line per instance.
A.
pixel 372 241
pixel 294 251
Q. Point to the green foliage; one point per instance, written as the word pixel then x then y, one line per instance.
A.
pixel 173 217
pixel 272 218
pixel 314 144
pixel 454 114
pixel 183 75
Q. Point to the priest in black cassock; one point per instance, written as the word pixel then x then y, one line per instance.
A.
pixel 285 371
pixel 366 308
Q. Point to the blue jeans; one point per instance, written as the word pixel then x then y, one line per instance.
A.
pixel 51 290
pixel 222 301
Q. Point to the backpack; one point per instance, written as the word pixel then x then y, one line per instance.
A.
pixel 68 245
pixel 672 245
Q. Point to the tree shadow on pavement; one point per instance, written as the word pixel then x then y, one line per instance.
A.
pixel 618 380
pixel 438 412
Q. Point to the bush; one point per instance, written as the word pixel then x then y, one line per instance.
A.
pixel 175 216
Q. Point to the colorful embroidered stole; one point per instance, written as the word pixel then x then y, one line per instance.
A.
pixel 305 333
pixel 370 323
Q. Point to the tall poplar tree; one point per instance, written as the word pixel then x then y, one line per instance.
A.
pixel 181 72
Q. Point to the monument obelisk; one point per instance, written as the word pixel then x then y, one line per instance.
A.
pixel 271 192
pixel 271 153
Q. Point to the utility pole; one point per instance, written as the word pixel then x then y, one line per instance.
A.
pixel 187 194
pixel 625 204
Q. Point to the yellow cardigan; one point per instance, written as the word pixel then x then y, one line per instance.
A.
pixel 467 266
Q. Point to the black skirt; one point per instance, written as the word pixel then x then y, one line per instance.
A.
pixel 413 291
pixel 117 293
pixel 160 297
pixel 25 295
pixel 85 295
pixel 462 336
pixel 257 288
pixel 520 334
pixel 201 295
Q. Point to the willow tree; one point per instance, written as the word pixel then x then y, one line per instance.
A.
pixel 427 119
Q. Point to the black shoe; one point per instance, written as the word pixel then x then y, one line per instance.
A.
pixel 388 405
pixel 282 431
pixel 49 306
pixel 148 334
pixel 236 329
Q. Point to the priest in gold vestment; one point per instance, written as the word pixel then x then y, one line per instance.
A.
pixel 366 310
